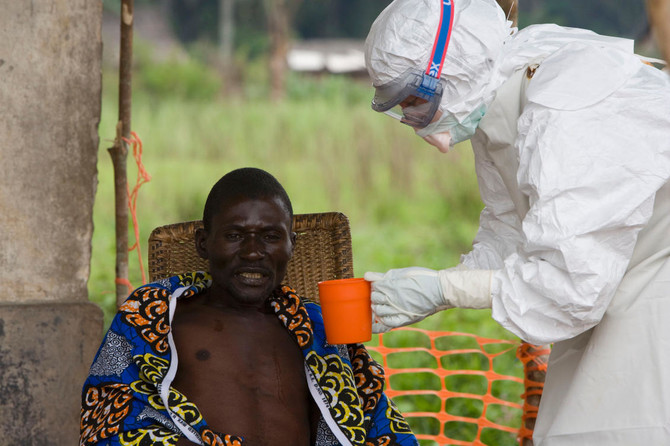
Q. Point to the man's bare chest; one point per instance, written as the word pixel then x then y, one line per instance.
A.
pixel 245 373
pixel 237 354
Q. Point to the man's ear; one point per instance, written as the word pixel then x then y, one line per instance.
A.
pixel 201 243
pixel 293 239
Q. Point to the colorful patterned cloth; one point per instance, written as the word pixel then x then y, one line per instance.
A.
pixel 127 398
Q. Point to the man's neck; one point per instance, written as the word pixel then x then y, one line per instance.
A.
pixel 213 297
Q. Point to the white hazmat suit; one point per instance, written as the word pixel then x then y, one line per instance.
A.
pixel 572 156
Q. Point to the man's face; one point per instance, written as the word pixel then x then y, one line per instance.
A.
pixel 248 247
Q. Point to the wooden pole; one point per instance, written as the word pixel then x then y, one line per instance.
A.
pixel 658 12
pixel 119 152
pixel 534 359
pixel 511 9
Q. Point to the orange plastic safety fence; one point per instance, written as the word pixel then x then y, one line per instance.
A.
pixel 455 388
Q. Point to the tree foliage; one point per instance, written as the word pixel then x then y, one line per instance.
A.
pixel 337 18
pixel 623 18
pixel 197 19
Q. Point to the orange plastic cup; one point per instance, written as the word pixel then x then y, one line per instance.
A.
pixel 346 308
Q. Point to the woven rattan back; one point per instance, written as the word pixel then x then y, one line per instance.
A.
pixel 322 251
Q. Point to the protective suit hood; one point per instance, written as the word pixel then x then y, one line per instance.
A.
pixel 484 51
pixel 402 37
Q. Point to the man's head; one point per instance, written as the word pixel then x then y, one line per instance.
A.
pixel 403 40
pixel 247 236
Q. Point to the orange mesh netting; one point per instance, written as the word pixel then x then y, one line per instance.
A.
pixel 462 389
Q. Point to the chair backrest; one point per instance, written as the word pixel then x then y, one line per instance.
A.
pixel 322 251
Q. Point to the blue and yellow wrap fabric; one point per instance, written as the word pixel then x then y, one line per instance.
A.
pixel 127 398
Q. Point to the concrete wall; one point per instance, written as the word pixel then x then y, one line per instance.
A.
pixel 50 81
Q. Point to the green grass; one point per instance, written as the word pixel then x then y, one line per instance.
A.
pixel 408 204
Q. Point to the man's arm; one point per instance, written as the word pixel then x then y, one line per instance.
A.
pixel 116 389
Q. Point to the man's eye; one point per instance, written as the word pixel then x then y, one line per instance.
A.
pixel 273 237
pixel 233 236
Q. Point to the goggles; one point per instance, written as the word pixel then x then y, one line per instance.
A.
pixel 414 97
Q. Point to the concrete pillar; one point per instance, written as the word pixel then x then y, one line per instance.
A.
pixel 50 85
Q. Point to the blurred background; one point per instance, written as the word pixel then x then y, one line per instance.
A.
pixel 281 85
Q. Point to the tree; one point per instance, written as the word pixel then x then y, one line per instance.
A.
pixel 511 8
pixel 659 16
pixel 279 15
pixel 621 18
pixel 227 41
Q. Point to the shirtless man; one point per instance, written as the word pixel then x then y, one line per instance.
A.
pixel 248 244
pixel 236 358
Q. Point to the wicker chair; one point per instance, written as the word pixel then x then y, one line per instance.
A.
pixel 322 251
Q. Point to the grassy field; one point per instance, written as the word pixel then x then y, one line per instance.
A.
pixel 408 204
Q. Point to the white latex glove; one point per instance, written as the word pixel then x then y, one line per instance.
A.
pixel 404 296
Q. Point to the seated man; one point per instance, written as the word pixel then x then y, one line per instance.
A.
pixel 253 365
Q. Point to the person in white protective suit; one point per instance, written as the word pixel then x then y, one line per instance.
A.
pixel 571 137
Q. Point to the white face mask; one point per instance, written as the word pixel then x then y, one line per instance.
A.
pixel 447 131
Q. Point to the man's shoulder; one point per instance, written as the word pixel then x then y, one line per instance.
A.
pixel 188 283
pixel 311 305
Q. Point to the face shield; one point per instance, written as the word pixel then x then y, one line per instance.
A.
pixel 414 97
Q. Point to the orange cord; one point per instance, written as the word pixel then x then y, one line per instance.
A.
pixel 534 358
pixel 142 178
pixel 125 282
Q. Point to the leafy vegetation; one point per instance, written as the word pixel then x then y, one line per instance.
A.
pixel 408 204
pixel 196 19
pixel 624 19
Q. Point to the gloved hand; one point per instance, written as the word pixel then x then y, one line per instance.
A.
pixel 404 296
